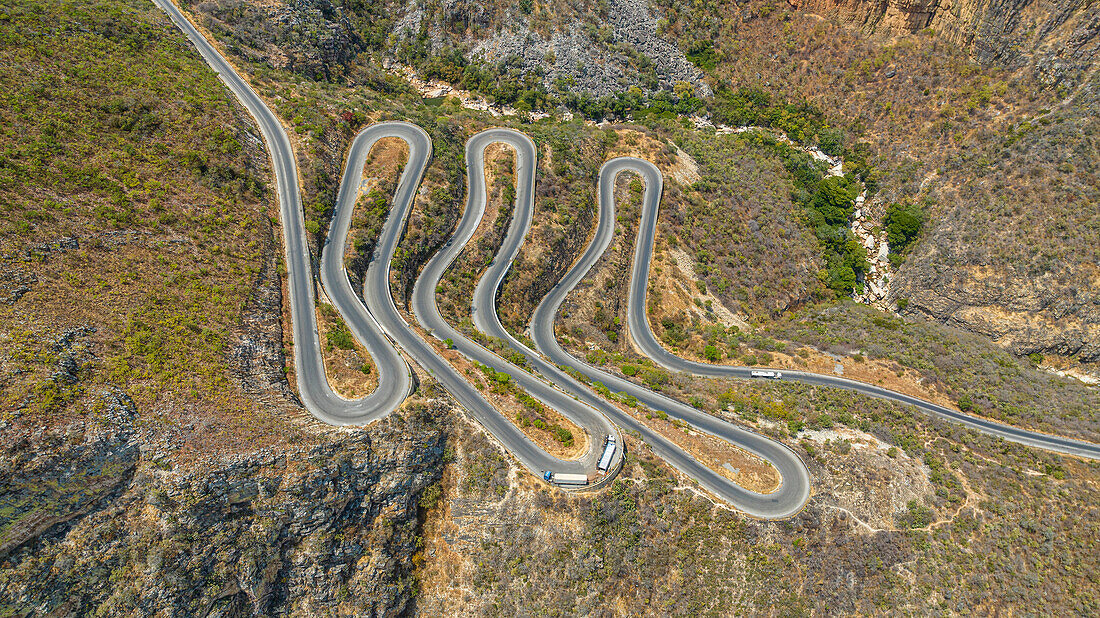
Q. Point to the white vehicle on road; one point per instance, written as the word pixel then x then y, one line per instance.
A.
pixel 608 454
pixel 773 375
pixel 563 478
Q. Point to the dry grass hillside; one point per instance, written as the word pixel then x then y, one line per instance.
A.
pixel 138 250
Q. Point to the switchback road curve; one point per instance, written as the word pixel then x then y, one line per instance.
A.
pixel 381 315
pixel 642 335
pixel 426 309
pixel 380 319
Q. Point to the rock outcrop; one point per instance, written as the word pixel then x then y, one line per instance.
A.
pixel 599 68
pixel 88 524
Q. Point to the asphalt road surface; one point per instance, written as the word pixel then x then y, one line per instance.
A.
pixel 794 490
pixel 395 382
pixel 426 309
pixel 379 315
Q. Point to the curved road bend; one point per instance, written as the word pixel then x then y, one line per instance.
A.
pixel 394 379
pixel 642 335
pixel 302 302
pixel 312 383
pixel 426 308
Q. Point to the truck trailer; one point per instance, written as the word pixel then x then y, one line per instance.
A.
pixel 565 478
pixel 774 375
pixel 608 454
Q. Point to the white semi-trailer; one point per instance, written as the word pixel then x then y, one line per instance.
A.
pixel 608 454
pixel 565 478
pixel 774 375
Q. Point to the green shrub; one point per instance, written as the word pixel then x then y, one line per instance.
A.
pixel 915 516
pixel 431 497
pixel 563 435
pixel 712 354
pixel 965 404
pixel 904 222
pixel 340 337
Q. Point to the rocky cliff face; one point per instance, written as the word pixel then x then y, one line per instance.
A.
pixel 627 53
pixel 1059 38
pixel 89 524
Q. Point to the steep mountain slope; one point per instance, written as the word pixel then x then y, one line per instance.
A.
pixel 154 458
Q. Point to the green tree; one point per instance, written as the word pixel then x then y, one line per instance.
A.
pixel 835 199
pixel 904 222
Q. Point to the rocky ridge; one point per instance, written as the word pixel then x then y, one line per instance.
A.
pixel 1060 40
pixel 588 61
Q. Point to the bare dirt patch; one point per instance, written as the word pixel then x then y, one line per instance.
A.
pixel 736 464
pixel 349 368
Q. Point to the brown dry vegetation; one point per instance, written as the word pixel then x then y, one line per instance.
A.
pixel 136 215
pixel 884 528
pixel 381 171
pixel 1003 159
pixel 455 292
pixel 738 465
pixel 348 366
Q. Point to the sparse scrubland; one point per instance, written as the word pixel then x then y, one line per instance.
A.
pixel 950 522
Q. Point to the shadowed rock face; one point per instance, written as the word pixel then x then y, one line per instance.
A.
pixel 91 521
pixel 1022 313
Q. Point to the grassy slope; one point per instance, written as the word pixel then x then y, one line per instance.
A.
pixel 116 134
pixel 1006 161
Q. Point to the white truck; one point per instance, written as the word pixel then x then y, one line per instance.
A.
pixel 772 375
pixel 608 454
pixel 564 478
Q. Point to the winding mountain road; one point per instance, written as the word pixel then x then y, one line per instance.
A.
pixel 394 379
pixel 376 317
pixel 426 309
pixel 794 489
pixel 375 321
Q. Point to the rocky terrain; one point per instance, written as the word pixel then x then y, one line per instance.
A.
pixel 93 519
pixel 601 62
pixel 154 458
pixel 322 38
pixel 1008 33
